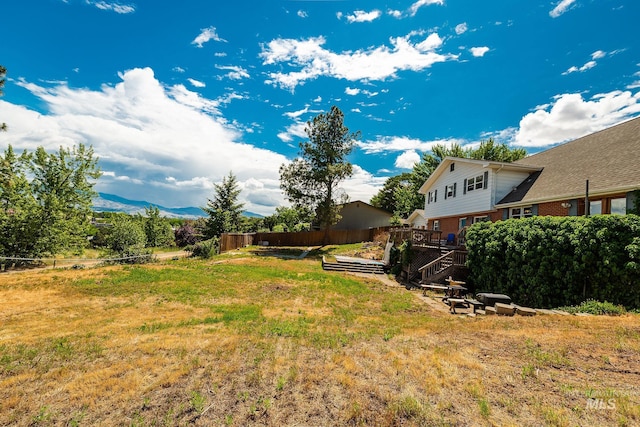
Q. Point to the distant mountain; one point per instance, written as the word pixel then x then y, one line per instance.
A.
pixel 112 203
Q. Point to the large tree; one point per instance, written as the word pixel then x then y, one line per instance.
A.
pixel 312 180
pixel 45 200
pixel 224 210
pixel 157 228
pixel 400 193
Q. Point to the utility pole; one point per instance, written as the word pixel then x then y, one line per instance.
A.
pixel 587 206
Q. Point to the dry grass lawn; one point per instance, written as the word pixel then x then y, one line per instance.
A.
pixel 259 340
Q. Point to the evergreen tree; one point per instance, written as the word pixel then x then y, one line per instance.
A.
pixel 157 229
pixel 224 210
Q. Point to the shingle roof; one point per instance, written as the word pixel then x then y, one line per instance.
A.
pixel 609 159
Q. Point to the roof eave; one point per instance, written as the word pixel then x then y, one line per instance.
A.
pixel 569 196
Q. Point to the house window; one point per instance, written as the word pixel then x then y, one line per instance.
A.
pixel 462 222
pixel 476 183
pixel 619 206
pixel 595 207
pixel 452 167
pixel 450 191
pixel 521 212
pixel 484 218
pixel 436 224
pixel 432 197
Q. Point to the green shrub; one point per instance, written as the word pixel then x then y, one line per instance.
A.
pixel 205 249
pixel 595 307
pixel 126 241
pixel 558 261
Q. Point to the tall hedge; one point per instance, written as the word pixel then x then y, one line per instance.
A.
pixel 558 261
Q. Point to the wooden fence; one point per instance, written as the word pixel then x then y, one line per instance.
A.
pixel 231 241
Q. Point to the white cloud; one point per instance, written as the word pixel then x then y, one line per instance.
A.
pixel 196 83
pixel 362 185
pixel 395 13
pixel 235 72
pixel 420 3
pixel 312 60
pixel 297 129
pixel 161 143
pixel 598 54
pixel 561 8
pixel 461 28
pixel 356 91
pixel 401 143
pixel 407 159
pixel 206 35
pixel 479 51
pixel 635 84
pixel 303 14
pixel 113 7
pixel 362 16
pixel 296 114
pixel 570 116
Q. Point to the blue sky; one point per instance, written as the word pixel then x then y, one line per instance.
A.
pixel 175 95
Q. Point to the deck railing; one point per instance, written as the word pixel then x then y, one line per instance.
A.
pixel 454 258
pixel 417 236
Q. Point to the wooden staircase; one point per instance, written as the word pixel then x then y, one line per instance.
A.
pixel 357 265
pixel 442 267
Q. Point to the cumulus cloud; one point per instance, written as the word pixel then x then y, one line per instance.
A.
pixel 407 159
pixel 303 14
pixel 479 51
pixel 206 35
pixel 362 185
pixel 164 144
pixel 352 91
pixel 311 60
pixel 362 16
pixel 561 8
pixel 570 116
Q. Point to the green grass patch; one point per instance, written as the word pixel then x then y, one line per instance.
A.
pixel 596 307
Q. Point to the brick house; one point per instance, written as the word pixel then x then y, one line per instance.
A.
pixel 461 192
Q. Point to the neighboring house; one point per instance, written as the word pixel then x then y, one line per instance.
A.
pixel 417 219
pixel 461 192
pixel 359 215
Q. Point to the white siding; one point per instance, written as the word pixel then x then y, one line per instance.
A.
pixel 506 181
pixel 500 183
pixel 474 201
